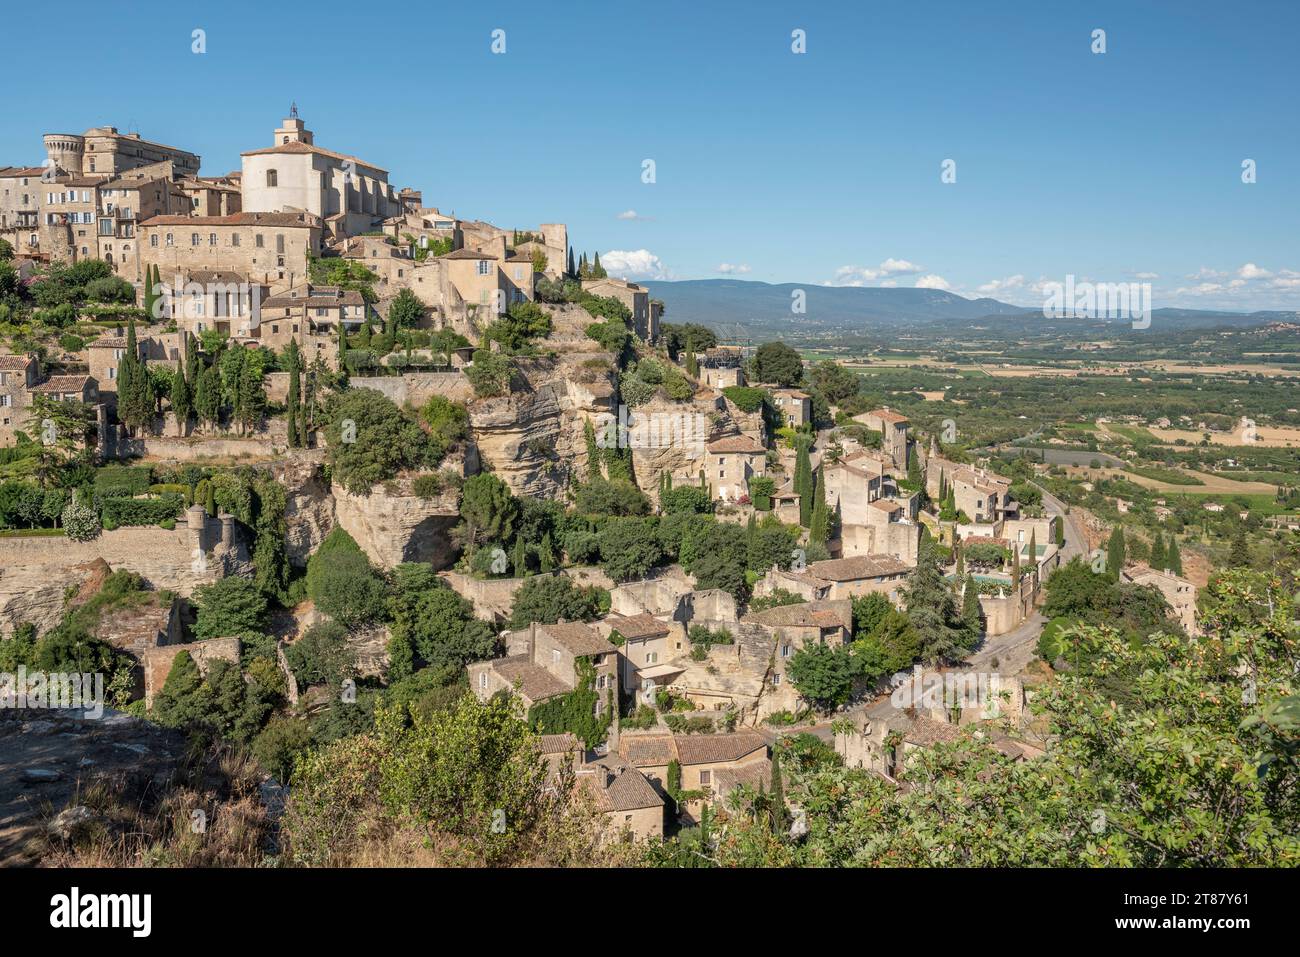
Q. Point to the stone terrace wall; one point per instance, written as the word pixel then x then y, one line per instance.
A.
pixel 35 571
pixel 416 388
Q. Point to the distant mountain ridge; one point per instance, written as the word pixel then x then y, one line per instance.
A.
pixel 719 302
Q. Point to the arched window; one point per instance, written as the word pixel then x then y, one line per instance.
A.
pixel 271 179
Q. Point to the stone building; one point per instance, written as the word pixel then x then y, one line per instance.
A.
pixel 20 201
pixel 545 662
pixel 839 578
pixel 1177 591
pixel 211 195
pixel 104 152
pixel 645 312
pixel 348 194
pixel 270 249
pixel 69 210
pixel 892 427
pixel 731 462
pixel 18 375
pixel 632 808
pixel 794 406
pixel 712 765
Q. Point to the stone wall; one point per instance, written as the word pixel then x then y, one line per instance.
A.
pixel 273 441
pixel 416 388
pixel 157 662
pixel 36 571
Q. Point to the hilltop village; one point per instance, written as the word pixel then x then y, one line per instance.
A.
pixel 286 452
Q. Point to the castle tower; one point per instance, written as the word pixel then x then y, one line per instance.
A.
pixel 65 151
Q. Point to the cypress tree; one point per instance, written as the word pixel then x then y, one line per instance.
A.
pixel 150 295
pixel 546 554
pixel 571 270
pixel 776 800
pixel 293 399
pixel 520 557
pixel 252 396
pixel 1059 531
pixel 1033 551
pixel 819 520
pixel 803 481
pixel 1173 558
pixel 970 609
pixel 692 364
pixel 182 400
pixel 210 500
pixel 1158 557
pixel 597 270
pixel 1115 553
pixel 593 451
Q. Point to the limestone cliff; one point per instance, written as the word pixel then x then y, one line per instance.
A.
pixel 392 525
pixel 309 508
pixel 706 416
pixel 533 439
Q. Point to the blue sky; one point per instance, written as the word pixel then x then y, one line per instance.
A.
pixel 770 165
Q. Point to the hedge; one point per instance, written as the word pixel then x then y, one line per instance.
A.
pixel 123 480
pixel 117 512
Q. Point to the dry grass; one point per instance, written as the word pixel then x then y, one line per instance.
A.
pixel 210 815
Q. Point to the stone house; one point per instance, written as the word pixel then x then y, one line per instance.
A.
pixel 105 357
pixel 631 806
pixel 211 195
pixel 795 406
pixel 645 312
pixel 712 765
pixel 839 578
pixel 545 662
pixel 68 214
pixel 892 427
pixel 20 201
pixel 647 646
pixel 792 627
pixel 125 202
pixel 731 462
pixel 1177 591
pixel 270 249
pixel 17 377
pixel 310 311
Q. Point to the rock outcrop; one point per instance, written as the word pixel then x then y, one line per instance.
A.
pixel 308 507
pixel 533 439
pixel 392 525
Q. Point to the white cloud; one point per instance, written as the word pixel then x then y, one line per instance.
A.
pixel 862 275
pixel 731 268
pixel 996 286
pixel 1251 271
pixel 932 282
pixel 632 214
pixel 633 264
pixel 1148 275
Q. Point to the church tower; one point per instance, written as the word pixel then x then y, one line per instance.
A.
pixel 292 129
